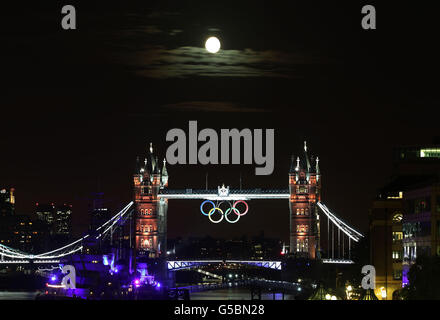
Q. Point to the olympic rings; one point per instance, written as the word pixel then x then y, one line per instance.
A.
pixel 224 214
pixel 203 203
pixel 240 214
pixel 212 211
pixel 228 211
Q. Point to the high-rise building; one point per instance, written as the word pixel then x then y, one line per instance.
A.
pixel 7 202
pixel 45 213
pixel 421 224
pixel 305 192
pixel 386 243
pixel 99 213
pixel 151 212
pixel 63 220
pixel 28 235
pixel 56 217
pixel 403 218
pixel 416 160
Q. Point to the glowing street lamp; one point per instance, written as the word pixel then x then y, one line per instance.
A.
pixel 349 289
pixel 383 292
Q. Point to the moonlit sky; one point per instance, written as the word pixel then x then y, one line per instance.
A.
pixel 81 105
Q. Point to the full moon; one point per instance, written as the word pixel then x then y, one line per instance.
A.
pixel 212 44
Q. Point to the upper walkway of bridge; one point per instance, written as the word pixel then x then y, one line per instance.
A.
pixel 225 194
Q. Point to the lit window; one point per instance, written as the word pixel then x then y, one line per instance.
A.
pixel 397 236
pixel 430 153
pixel 397 217
pixel 302 245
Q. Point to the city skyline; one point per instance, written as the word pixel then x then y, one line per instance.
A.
pixel 234 150
pixel 347 91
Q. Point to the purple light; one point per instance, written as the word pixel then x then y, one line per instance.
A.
pixel 158 284
pixel 136 282
pixel 116 270
pixel 53 278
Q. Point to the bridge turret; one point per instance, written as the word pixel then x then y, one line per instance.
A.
pixel 304 219
pixel 150 211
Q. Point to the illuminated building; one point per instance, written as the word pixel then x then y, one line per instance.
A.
pixel 57 218
pixel 62 222
pixel 7 213
pixel 416 160
pixel 45 213
pixel 421 223
pixel 28 235
pixel 403 217
pixel 151 212
pixel 386 243
pixel 305 191
pixel 7 202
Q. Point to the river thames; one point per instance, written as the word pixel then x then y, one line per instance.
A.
pixel 222 294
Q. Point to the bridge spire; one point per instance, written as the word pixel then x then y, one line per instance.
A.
pixel 307 157
pixel 317 166
pixel 156 165
pixel 164 177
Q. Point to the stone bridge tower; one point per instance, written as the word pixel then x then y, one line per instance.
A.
pixel 150 211
pixel 305 192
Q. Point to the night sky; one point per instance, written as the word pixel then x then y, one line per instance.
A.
pixel 78 106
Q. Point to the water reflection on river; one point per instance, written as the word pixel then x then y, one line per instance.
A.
pixel 235 294
pixel 18 295
pixel 223 294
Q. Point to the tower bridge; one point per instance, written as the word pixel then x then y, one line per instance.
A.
pixel 150 206
pixel 306 209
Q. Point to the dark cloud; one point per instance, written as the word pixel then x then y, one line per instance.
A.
pixel 181 62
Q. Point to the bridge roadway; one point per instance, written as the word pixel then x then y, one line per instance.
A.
pixel 179 265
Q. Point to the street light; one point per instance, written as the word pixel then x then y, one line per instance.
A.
pixel 383 293
pixel 349 289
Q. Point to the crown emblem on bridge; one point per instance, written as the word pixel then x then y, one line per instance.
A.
pixel 223 191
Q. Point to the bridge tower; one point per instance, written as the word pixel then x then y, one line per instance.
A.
pixel 305 192
pixel 150 212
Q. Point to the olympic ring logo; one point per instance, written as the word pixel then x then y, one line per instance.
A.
pixel 224 213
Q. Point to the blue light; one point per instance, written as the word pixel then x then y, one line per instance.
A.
pixel 116 270
pixel 53 278
pixel 158 284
